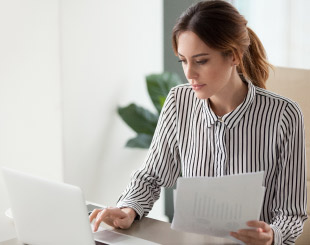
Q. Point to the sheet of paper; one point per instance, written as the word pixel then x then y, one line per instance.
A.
pixel 216 206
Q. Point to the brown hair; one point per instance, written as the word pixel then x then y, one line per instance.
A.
pixel 221 27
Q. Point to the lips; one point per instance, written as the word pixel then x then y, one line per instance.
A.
pixel 197 87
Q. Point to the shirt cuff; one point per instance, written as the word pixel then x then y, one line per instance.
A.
pixel 277 235
pixel 135 206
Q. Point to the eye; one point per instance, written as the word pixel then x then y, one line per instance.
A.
pixel 182 61
pixel 201 62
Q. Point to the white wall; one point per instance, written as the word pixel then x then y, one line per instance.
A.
pixel 30 114
pixel 107 49
pixel 65 66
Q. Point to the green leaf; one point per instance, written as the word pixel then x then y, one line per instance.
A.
pixel 141 141
pixel 159 85
pixel 162 101
pixel 139 119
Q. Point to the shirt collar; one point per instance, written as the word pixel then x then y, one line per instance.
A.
pixel 232 118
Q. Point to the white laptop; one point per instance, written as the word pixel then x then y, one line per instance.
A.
pixel 53 213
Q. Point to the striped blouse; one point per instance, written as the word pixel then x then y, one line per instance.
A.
pixel 265 132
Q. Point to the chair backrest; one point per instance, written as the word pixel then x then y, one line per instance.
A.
pixel 295 84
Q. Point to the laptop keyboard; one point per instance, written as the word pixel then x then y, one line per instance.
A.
pixel 100 243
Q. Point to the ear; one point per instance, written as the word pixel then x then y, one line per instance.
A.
pixel 235 61
pixel 233 57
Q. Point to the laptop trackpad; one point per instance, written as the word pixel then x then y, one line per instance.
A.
pixel 111 237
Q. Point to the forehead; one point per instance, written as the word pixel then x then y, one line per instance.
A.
pixel 190 44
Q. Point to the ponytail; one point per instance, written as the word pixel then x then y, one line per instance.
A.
pixel 254 65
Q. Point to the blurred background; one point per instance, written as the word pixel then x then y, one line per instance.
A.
pixel 66 65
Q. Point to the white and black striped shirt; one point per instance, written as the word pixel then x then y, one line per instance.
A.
pixel 265 132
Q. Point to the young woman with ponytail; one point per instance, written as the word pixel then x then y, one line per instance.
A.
pixel 223 122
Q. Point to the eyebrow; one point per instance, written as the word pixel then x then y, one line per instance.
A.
pixel 196 55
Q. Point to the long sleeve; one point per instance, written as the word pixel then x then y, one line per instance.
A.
pixel 289 204
pixel 162 165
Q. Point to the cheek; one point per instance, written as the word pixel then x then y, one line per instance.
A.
pixel 213 73
pixel 218 73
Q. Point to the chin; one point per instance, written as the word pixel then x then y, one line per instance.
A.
pixel 202 96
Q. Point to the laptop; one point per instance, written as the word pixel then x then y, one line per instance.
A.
pixel 49 212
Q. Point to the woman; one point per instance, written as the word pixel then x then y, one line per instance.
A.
pixel 223 122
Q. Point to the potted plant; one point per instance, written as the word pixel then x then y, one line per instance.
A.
pixel 144 122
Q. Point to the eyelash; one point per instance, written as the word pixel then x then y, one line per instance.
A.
pixel 200 62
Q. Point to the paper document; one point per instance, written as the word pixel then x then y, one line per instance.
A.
pixel 217 206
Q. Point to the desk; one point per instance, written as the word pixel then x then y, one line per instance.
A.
pixel 159 232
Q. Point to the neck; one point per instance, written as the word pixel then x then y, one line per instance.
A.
pixel 230 97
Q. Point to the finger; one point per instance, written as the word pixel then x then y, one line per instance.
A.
pixel 98 220
pixel 124 223
pixel 94 214
pixel 250 232
pixel 247 239
pixel 108 216
pixel 254 234
pixel 259 224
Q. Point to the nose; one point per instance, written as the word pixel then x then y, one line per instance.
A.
pixel 190 72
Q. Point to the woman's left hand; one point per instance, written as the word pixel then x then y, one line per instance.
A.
pixel 262 234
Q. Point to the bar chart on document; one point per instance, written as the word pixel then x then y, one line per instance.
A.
pixel 205 206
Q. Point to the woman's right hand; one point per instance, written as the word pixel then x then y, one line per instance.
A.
pixel 115 217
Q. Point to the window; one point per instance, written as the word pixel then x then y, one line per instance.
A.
pixel 283 27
